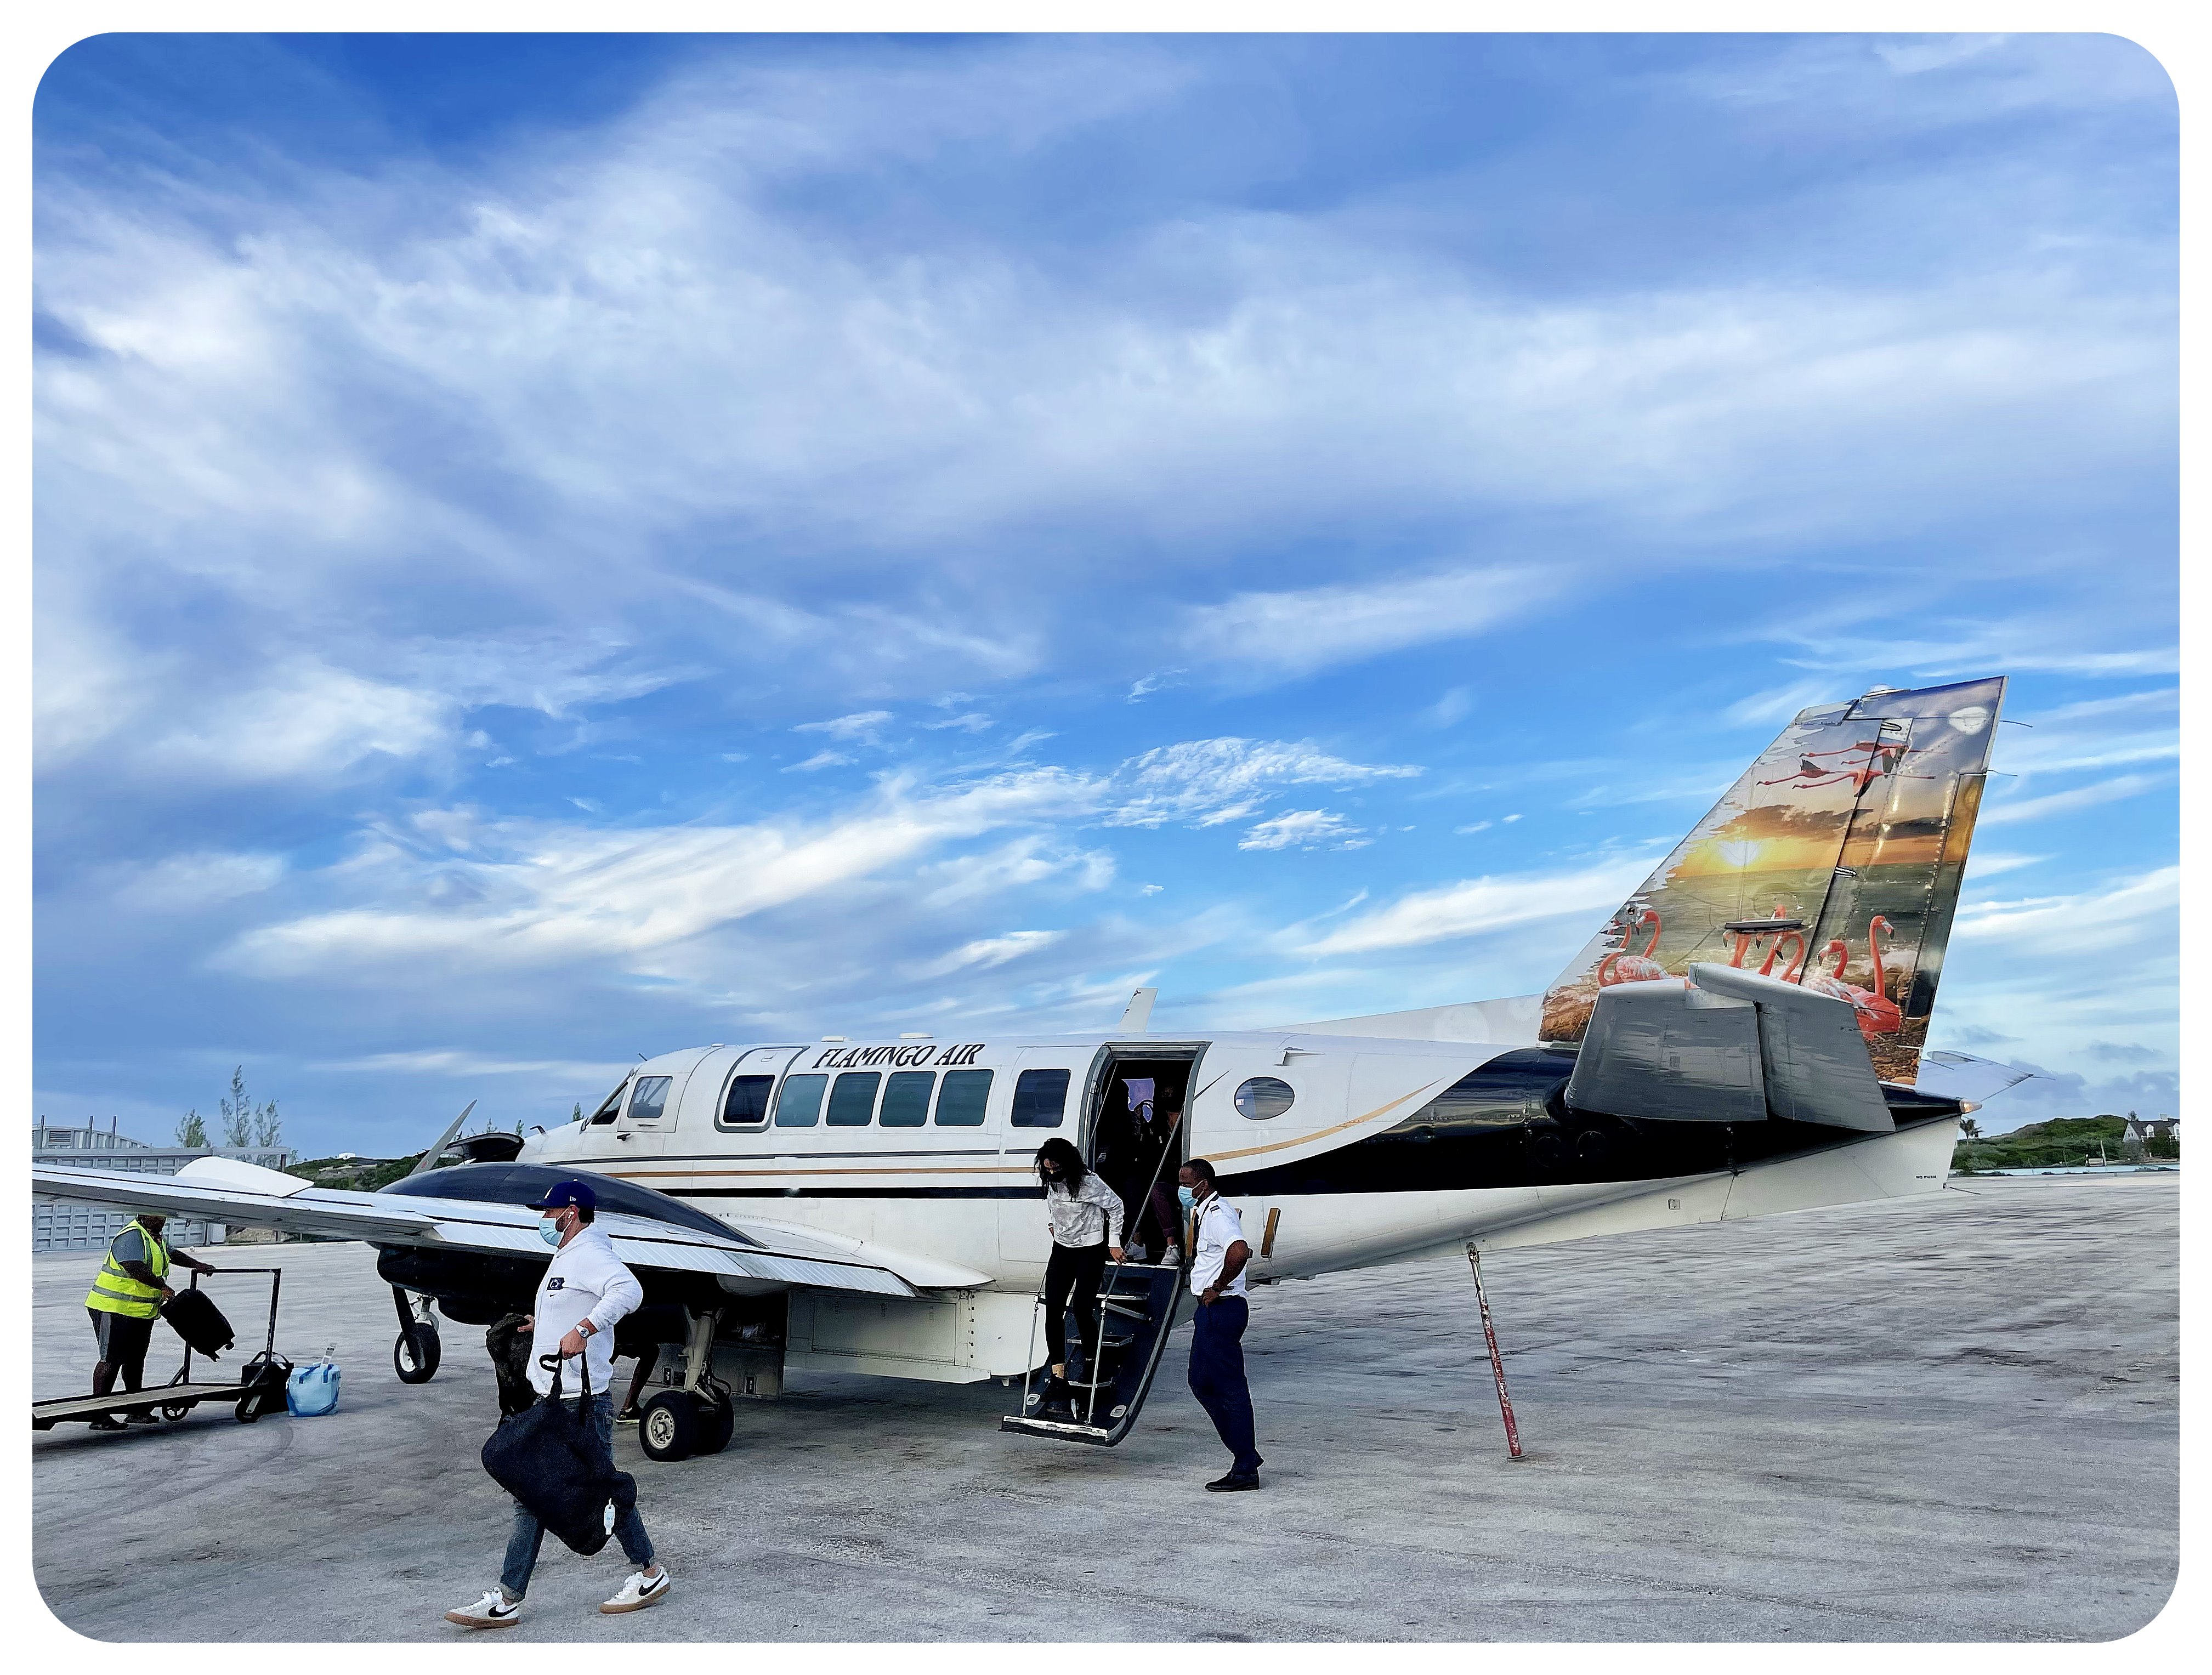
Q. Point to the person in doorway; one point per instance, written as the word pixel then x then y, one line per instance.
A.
pixel 585 1291
pixel 132 1285
pixel 1085 1214
pixel 1159 1221
pixel 1219 1254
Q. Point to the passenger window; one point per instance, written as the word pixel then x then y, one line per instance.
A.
pixel 906 1100
pixel 650 1098
pixel 852 1101
pixel 1040 1097
pixel 799 1104
pixel 960 1102
pixel 745 1106
pixel 612 1108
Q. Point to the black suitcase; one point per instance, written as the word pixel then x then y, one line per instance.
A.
pixel 549 1458
pixel 198 1322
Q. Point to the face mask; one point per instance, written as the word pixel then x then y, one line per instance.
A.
pixel 549 1231
pixel 1189 1198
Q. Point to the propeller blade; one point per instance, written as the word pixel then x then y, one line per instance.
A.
pixel 444 1140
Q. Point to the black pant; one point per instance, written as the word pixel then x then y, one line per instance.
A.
pixel 1217 1377
pixel 1076 1269
pixel 122 1340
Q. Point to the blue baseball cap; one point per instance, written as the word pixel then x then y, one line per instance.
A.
pixel 568 1193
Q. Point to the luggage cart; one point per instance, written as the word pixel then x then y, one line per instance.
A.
pixel 256 1392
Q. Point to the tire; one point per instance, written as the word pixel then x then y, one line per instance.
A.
pixel 415 1354
pixel 173 1411
pixel 248 1409
pixel 668 1425
pixel 716 1421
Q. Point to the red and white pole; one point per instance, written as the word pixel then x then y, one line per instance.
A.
pixel 1497 1362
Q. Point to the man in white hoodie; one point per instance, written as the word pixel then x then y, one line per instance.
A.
pixel 584 1291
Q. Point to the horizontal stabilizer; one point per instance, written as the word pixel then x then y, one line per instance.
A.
pixel 1817 1066
pixel 1665 1051
pixel 1950 1075
pixel 1727 1046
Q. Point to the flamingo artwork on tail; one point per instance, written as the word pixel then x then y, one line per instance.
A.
pixel 1877 1014
pixel 1623 966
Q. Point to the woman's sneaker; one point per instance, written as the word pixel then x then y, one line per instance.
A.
pixel 628 1415
pixel 493 1610
pixel 639 1592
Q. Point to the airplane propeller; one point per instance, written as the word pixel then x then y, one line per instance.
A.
pixel 415 1352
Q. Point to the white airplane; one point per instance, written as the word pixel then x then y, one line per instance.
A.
pixel 1742 1037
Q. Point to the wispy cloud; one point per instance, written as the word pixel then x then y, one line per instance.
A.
pixel 2001 811
pixel 861 729
pixel 1212 780
pixel 563 895
pixel 2056 924
pixel 1304 829
pixel 987 952
pixel 1477 906
pixel 1265 638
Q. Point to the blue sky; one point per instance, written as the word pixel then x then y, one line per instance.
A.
pixel 550 549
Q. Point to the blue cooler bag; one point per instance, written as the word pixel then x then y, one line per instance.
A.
pixel 312 1390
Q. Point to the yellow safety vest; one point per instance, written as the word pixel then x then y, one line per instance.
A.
pixel 116 1293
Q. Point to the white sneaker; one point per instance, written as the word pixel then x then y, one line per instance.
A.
pixel 639 1592
pixel 493 1610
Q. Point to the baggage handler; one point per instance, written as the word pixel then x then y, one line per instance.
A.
pixel 586 1288
pixel 1219 1254
pixel 132 1285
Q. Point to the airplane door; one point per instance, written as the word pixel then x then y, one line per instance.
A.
pixel 649 1113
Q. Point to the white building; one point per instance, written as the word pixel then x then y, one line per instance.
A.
pixel 89 1226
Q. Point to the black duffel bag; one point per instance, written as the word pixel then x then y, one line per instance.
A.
pixel 198 1322
pixel 549 1458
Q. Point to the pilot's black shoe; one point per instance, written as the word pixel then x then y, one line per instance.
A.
pixel 106 1422
pixel 1224 1485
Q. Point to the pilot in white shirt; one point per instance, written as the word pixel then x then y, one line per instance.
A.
pixel 1219 1254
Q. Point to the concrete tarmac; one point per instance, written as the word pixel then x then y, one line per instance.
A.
pixel 1954 1418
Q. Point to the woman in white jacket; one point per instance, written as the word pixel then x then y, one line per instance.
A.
pixel 1085 1217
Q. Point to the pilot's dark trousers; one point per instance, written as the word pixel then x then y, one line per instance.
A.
pixel 522 1542
pixel 1217 1377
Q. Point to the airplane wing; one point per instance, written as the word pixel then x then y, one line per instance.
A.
pixel 241 1194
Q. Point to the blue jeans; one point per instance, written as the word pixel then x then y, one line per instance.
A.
pixel 1217 1377
pixel 522 1544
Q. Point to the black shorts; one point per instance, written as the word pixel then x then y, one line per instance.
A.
pixel 123 1338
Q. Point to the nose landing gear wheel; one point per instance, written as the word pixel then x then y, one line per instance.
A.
pixel 414 1353
pixel 669 1425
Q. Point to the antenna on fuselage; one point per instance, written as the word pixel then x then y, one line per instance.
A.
pixel 1138 1012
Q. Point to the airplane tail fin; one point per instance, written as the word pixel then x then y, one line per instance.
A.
pixel 1834 862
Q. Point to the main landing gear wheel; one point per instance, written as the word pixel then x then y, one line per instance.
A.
pixel 674 1424
pixel 716 1420
pixel 414 1353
